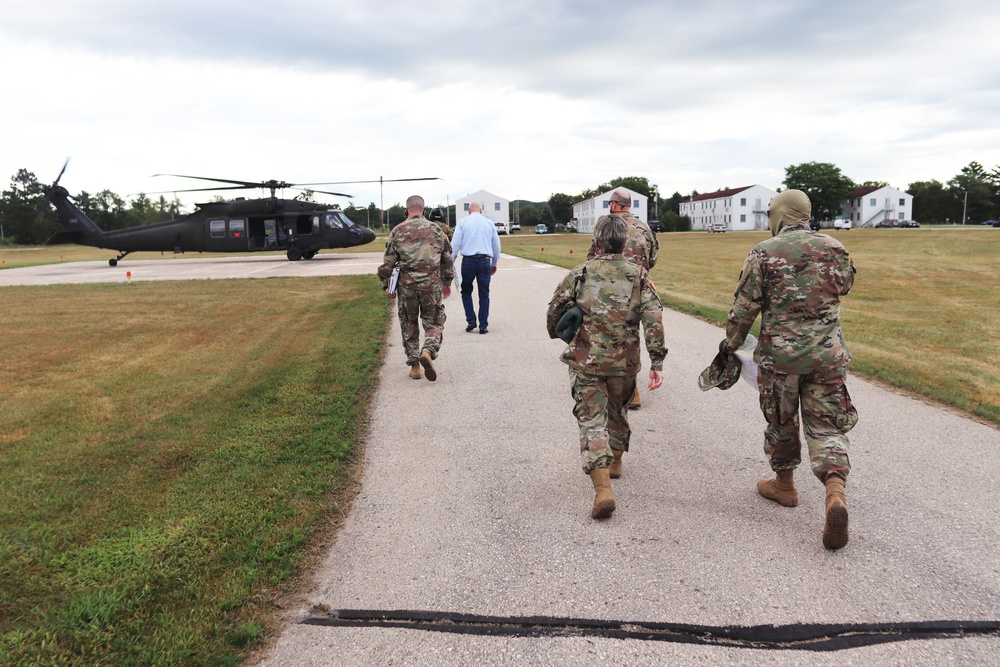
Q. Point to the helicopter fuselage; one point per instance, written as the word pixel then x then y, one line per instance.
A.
pixel 299 228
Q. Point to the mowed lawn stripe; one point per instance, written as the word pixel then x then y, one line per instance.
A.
pixel 166 452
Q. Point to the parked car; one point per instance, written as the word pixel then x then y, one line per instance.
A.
pixel 541 229
pixel 842 222
pixel 996 223
pixel 502 227
pixel 571 226
pixel 814 225
pixel 991 223
pixel 717 227
pixel 515 227
pixel 657 226
pixel 560 227
pixel 909 223
pixel 888 223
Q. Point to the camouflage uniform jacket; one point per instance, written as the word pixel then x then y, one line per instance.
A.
pixel 795 281
pixel 641 248
pixel 422 251
pixel 615 296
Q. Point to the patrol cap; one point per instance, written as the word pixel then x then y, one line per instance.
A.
pixel 723 373
pixel 622 196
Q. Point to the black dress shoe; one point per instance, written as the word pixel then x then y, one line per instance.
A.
pixel 470 328
pixel 482 331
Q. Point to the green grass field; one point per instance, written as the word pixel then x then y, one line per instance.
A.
pixel 924 315
pixel 167 452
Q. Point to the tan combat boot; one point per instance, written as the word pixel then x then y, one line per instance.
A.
pixel 835 530
pixel 615 469
pixel 415 372
pixel 428 364
pixel 604 500
pixel 635 403
pixel 781 489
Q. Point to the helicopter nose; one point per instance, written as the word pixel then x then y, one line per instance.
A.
pixel 368 236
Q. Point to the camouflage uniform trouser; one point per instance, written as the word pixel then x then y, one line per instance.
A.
pixel 416 307
pixel 827 416
pixel 601 410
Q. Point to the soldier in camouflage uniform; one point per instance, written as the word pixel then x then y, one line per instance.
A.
pixel 421 250
pixel 437 215
pixel 794 280
pixel 641 248
pixel 616 296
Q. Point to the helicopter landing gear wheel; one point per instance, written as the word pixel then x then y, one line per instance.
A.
pixel 294 254
pixel 112 262
pixel 308 254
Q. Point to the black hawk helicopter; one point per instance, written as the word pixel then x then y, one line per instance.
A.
pixel 300 228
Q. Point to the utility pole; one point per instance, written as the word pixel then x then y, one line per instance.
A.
pixel 965 205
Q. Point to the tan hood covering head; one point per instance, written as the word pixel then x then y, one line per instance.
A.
pixel 790 207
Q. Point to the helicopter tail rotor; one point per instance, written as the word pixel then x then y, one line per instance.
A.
pixel 43 206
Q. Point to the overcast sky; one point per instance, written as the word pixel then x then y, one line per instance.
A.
pixel 523 98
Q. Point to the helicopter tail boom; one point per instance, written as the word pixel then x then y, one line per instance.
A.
pixel 77 227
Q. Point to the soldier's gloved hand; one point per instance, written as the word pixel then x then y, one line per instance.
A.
pixel 724 349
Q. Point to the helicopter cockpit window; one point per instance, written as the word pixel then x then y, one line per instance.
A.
pixel 237 229
pixel 218 229
pixel 333 221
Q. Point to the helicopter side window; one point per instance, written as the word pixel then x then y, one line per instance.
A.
pixel 315 221
pixel 237 229
pixel 218 229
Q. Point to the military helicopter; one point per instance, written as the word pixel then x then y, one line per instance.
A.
pixel 300 228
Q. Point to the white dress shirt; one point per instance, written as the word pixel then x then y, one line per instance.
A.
pixel 476 234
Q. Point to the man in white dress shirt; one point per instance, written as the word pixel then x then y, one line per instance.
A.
pixel 477 241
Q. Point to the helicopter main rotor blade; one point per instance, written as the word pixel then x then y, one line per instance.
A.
pixel 377 180
pixel 326 192
pixel 232 187
pixel 43 206
pixel 247 184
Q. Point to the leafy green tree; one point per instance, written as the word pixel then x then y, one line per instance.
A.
pixel 828 189
pixel 561 207
pixel 932 202
pixel 973 191
pixel 106 209
pixel 529 214
pixel 18 207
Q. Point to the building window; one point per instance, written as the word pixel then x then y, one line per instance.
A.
pixel 635 203
pixel 496 206
pixel 743 217
pixel 218 229
pixel 902 202
pixel 872 202
pixel 465 206
pixel 237 228
pixel 743 201
pixel 902 216
pixel 605 204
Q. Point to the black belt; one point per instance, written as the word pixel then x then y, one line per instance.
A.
pixel 474 256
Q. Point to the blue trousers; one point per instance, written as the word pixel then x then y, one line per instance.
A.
pixel 476 268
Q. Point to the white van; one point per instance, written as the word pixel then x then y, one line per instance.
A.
pixel 842 222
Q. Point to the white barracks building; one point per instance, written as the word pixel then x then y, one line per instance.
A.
pixel 740 209
pixel 588 211
pixel 495 207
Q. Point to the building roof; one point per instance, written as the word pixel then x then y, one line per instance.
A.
pixel 861 192
pixel 719 194
pixel 602 194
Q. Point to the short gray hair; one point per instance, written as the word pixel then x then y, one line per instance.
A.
pixel 611 232
pixel 414 203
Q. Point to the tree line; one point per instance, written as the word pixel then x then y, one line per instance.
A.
pixel 974 192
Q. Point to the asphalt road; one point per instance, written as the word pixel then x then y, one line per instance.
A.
pixel 474 514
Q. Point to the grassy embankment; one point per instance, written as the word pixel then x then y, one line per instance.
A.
pixel 924 315
pixel 167 451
